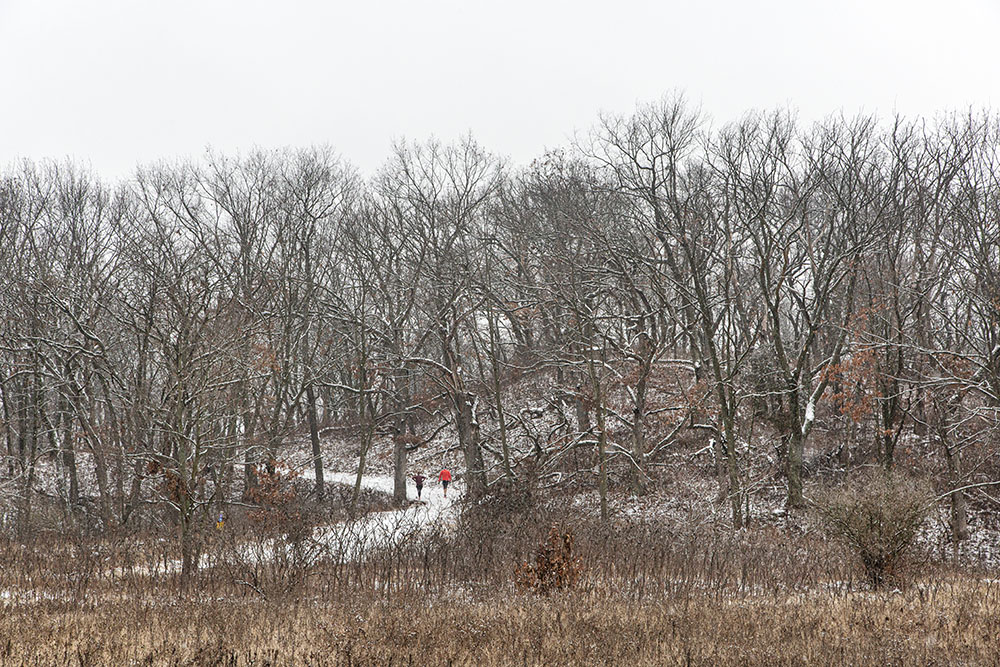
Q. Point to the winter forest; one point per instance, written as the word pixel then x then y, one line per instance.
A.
pixel 788 324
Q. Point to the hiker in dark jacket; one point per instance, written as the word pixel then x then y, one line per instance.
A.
pixel 418 479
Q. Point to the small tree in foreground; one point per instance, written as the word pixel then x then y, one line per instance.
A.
pixel 877 515
pixel 281 551
pixel 555 568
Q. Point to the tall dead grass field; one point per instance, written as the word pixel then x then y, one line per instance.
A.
pixel 957 623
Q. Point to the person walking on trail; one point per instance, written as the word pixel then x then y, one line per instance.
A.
pixel 418 479
pixel 445 477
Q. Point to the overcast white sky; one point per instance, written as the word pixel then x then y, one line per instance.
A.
pixel 120 82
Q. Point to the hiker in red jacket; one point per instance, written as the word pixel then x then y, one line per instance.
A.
pixel 445 477
pixel 418 479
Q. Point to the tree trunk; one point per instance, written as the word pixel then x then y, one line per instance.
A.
pixel 399 443
pixel 796 450
pixel 8 432
pixel 602 444
pixel 399 467
pixel 314 438
pixel 498 392
pixel 959 510
pixel 189 547
pixel 29 476
pixel 639 431
pixel 250 481
pixel 367 434
pixel 69 459
pixel 732 467
pixel 582 410
pixel 101 473
pixel 468 437
pixel 793 469
pixel 602 437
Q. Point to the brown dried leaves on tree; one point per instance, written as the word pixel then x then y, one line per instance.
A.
pixel 555 567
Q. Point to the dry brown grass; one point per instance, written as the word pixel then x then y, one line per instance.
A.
pixel 651 593
pixel 947 624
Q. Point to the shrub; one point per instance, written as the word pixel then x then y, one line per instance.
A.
pixel 877 515
pixel 277 551
pixel 278 509
pixel 555 567
pixel 507 500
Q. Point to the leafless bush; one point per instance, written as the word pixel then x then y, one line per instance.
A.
pixel 502 528
pixel 877 515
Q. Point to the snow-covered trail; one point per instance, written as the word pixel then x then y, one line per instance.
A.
pixel 352 539
pixel 433 504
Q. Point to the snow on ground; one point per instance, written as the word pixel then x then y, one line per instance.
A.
pixel 351 540
pixel 433 498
